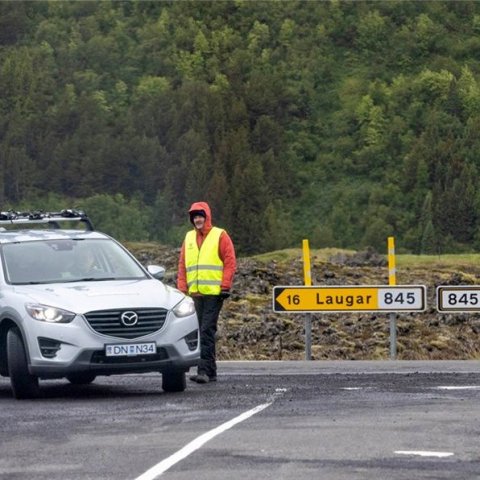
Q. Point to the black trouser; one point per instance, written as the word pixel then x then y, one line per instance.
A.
pixel 208 309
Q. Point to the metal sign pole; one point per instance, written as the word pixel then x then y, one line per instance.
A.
pixel 307 274
pixel 392 280
pixel 308 336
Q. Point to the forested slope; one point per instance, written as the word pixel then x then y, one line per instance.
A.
pixel 341 122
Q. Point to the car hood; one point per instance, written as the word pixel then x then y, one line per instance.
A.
pixel 82 297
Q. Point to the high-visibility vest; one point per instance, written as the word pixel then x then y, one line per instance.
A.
pixel 203 265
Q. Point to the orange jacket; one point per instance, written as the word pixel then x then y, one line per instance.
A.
pixel 226 251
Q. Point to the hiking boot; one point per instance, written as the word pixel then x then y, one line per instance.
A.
pixel 200 378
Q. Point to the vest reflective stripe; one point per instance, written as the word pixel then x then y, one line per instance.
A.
pixel 204 266
pixel 205 282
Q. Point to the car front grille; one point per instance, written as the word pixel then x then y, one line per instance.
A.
pixel 108 322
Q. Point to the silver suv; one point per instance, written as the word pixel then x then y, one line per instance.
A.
pixel 74 303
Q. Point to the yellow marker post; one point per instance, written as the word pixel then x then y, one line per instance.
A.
pixel 392 271
pixel 392 280
pixel 307 274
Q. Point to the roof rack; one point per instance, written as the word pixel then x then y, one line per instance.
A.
pixel 51 218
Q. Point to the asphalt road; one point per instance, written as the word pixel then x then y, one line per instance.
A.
pixel 260 421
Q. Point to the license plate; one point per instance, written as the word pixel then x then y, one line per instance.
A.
pixel 130 349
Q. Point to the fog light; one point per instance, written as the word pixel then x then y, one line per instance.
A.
pixel 192 340
pixel 48 347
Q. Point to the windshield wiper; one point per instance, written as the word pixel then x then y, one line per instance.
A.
pixel 95 279
pixel 87 279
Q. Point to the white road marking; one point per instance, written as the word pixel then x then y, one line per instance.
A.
pixel 351 388
pixel 461 387
pixel 423 453
pixel 164 465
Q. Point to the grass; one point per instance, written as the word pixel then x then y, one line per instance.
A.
pixel 448 260
pixel 290 254
pixel 324 254
pixel 401 260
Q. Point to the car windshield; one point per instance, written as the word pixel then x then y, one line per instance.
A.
pixel 67 260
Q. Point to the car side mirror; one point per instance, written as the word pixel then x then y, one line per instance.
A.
pixel 156 271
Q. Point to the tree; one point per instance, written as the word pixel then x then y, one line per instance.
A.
pixel 250 199
pixel 372 33
pixel 115 215
pixel 428 241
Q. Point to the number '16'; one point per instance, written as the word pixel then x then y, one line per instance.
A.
pixel 293 299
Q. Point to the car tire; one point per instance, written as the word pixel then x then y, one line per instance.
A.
pixel 174 381
pixel 81 378
pixel 24 385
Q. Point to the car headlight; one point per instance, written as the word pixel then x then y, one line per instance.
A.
pixel 44 313
pixel 185 308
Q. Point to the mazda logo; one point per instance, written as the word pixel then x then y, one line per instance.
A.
pixel 129 318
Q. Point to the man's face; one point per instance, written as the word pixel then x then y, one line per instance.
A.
pixel 199 222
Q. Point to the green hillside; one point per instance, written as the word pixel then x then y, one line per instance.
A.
pixel 339 121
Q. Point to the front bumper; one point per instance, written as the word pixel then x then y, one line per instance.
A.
pixel 94 361
pixel 82 349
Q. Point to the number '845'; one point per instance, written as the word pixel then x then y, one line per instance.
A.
pixel 399 298
pixel 464 299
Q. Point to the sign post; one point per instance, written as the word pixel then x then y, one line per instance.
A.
pixel 392 280
pixel 307 274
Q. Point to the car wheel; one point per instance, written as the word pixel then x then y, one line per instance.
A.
pixel 23 384
pixel 81 378
pixel 174 381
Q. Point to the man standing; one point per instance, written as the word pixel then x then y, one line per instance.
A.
pixel 205 271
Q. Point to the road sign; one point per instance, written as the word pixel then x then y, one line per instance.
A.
pixel 458 298
pixel 363 298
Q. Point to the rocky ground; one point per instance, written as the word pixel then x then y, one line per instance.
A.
pixel 250 330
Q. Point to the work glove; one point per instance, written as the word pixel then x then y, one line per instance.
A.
pixel 224 294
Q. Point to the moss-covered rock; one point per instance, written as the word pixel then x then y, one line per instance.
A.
pixel 250 330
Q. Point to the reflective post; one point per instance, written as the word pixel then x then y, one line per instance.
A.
pixel 392 280
pixel 307 274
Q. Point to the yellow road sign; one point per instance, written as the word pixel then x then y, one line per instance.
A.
pixel 400 298
pixel 458 298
